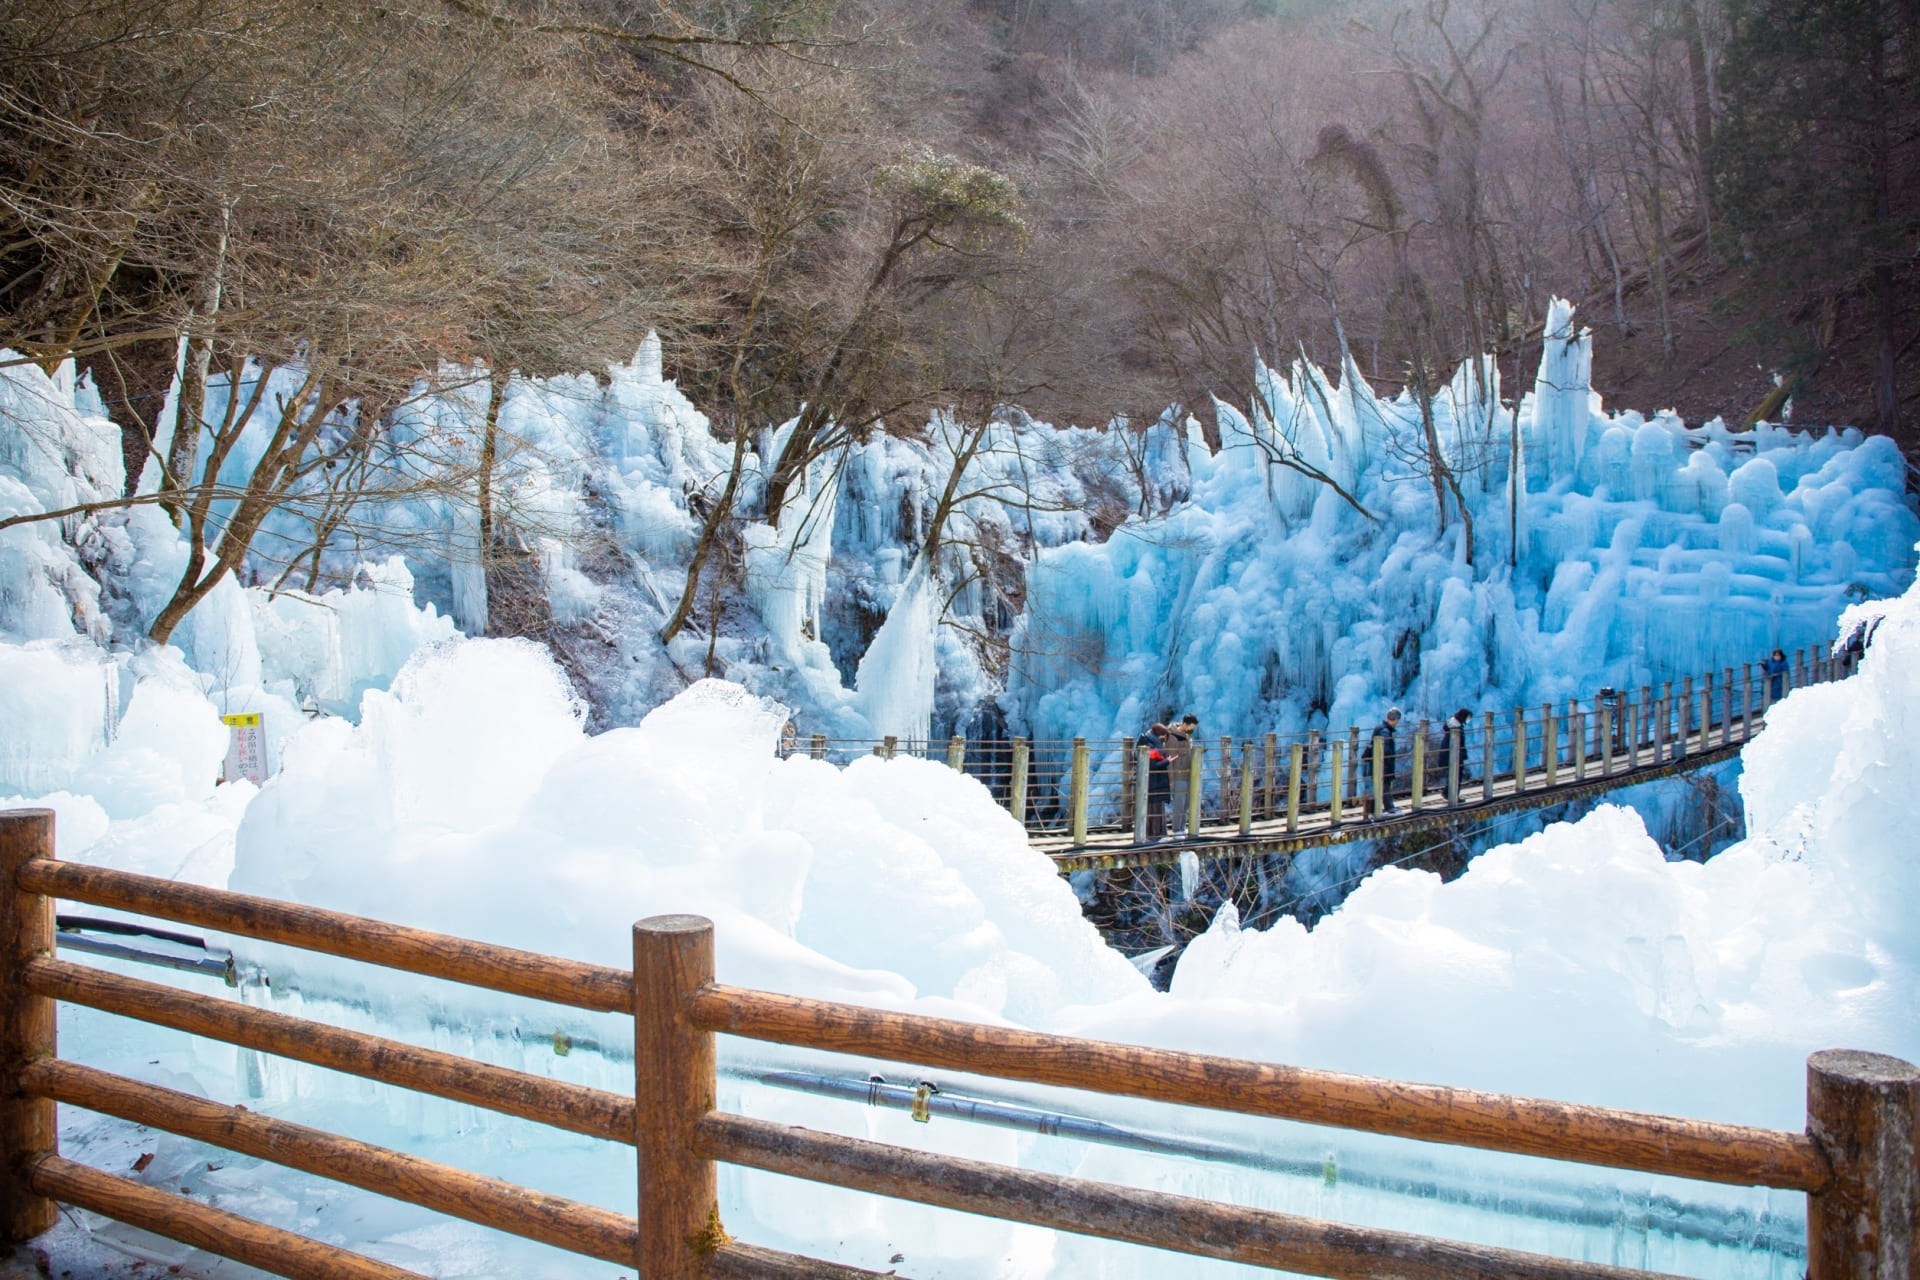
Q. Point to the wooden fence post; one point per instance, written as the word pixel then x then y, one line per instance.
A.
pixel 1294 755
pixel 1862 1110
pixel 957 753
pixel 1726 709
pixel 817 748
pixel 27 1026
pixel 1226 783
pixel 1246 789
pixel 888 746
pixel 1017 799
pixel 1077 793
pixel 673 1073
pixel 1799 670
pixel 1126 778
pixel 1577 732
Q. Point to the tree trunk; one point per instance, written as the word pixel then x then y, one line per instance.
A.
pixel 184 450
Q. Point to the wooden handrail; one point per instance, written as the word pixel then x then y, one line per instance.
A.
pixel 736 1261
pixel 204 1227
pixel 565 1224
pixel 335 933
pixel 1206 1228
pixel 1700 1149
pixel 1862 1110
pixel 596 1113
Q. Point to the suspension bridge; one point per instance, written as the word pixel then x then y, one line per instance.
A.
pixel 1089 804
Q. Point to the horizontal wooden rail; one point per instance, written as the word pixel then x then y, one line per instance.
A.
pixel 1682 1148
pixel 574 1107
pixel 1253 1237
pixel 436 955
pixel 204 1227
pixel 565 1224
pixel 736 1261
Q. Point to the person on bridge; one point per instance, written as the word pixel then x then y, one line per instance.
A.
pixel 1179 750
pixel 1158 788
pixel 1384 731
pixel 1776 669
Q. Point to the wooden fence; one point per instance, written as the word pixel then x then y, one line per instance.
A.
pixel 1856 1162
pixel 1078 793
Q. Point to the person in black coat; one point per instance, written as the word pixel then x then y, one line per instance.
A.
pixel 1386 729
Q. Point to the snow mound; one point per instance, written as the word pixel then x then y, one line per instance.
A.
pixel 470 801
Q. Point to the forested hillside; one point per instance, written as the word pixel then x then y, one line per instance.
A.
pixel 330 239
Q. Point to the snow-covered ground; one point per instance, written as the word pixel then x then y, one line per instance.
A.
pixel 1578 964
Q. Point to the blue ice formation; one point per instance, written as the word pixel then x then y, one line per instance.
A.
pixel 1307 573
pixel 1631 550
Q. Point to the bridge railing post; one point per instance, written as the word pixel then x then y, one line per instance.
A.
pixel 1077 792
pixel 1726 708
pixel 1606 737
pixel 675 1086
pixel 817 748
pixel 957 753
pixel 1863 1111
pixel 1684 729
pixel 1126 779
pixel 1246 788
pixel 1017 783
pixel 1228 803
pixel 1336 792
pixel 1519 750
pixel 1270 768
pixel 1142 792
pixel 1312 775
pixel 1577 733
pixel 1660 709
pixel 1294 754
pixel 1550 744
pixel 1799 670
pixel 1454 755
pixel 1417 789
pixel 888 746
pixel 1197 783
pixel 1746 700
pixel 27 1028
pixel 1378 781
pixel 1354 765
pixel 1487 769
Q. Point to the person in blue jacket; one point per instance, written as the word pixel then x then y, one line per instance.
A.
pixel 1776 669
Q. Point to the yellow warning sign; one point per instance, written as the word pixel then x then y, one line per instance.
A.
pixel 245 720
